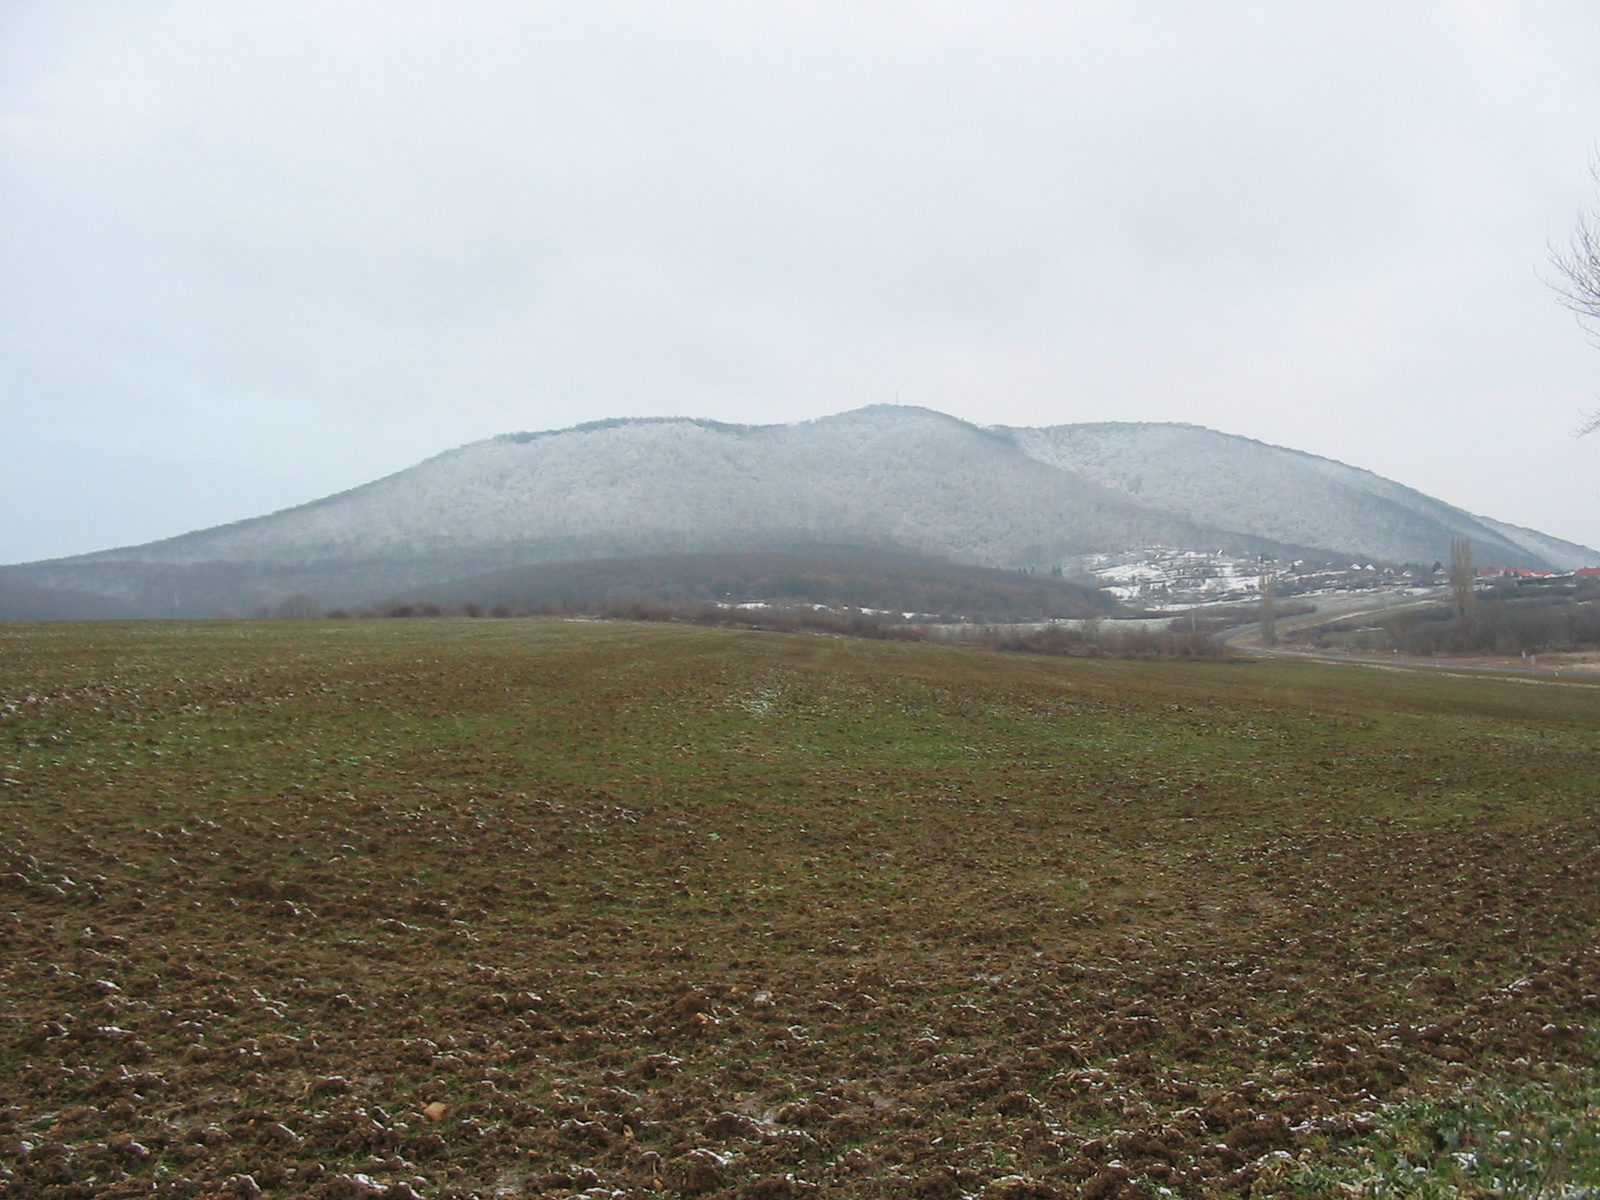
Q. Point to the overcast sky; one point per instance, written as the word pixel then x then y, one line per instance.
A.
pixel 252 253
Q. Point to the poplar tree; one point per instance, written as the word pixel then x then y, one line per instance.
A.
pixel 1463 579
pixel 1269 605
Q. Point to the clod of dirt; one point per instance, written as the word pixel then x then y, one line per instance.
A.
pixel 354 1187
pixel 435 1111
pixel 777 1187
pixel 124 1145
pixel 938 1185
pixel 1020 1187
pixel 429 1145
pixel 244 1187
pixel 653 1065
pixel 690 1004
pixel 1016 1104
pixel 800 1114
pixel 1111 1184
pixel 698 1171
pixel 280 1134
pixel 1254 1138
pixel 732 1125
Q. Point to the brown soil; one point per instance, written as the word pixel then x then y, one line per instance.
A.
pixel 617 912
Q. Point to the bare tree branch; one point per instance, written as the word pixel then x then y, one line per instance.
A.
pixel 1578 264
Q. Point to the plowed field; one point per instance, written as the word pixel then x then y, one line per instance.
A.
pixel 541 908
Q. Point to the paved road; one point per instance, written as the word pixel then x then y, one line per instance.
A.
pixel 1245 638
pixel 1338 606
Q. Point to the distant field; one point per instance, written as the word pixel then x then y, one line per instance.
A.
pixel 656 909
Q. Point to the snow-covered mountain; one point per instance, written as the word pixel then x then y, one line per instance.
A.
pixel 1237 483
pixel 905 480
pixel 1561 555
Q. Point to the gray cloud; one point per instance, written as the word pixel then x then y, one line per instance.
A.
pixel 253 253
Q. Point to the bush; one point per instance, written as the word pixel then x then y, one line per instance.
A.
pixel 1504 622
pixel 1100 640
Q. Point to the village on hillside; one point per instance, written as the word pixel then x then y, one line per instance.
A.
pixel 1165 579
